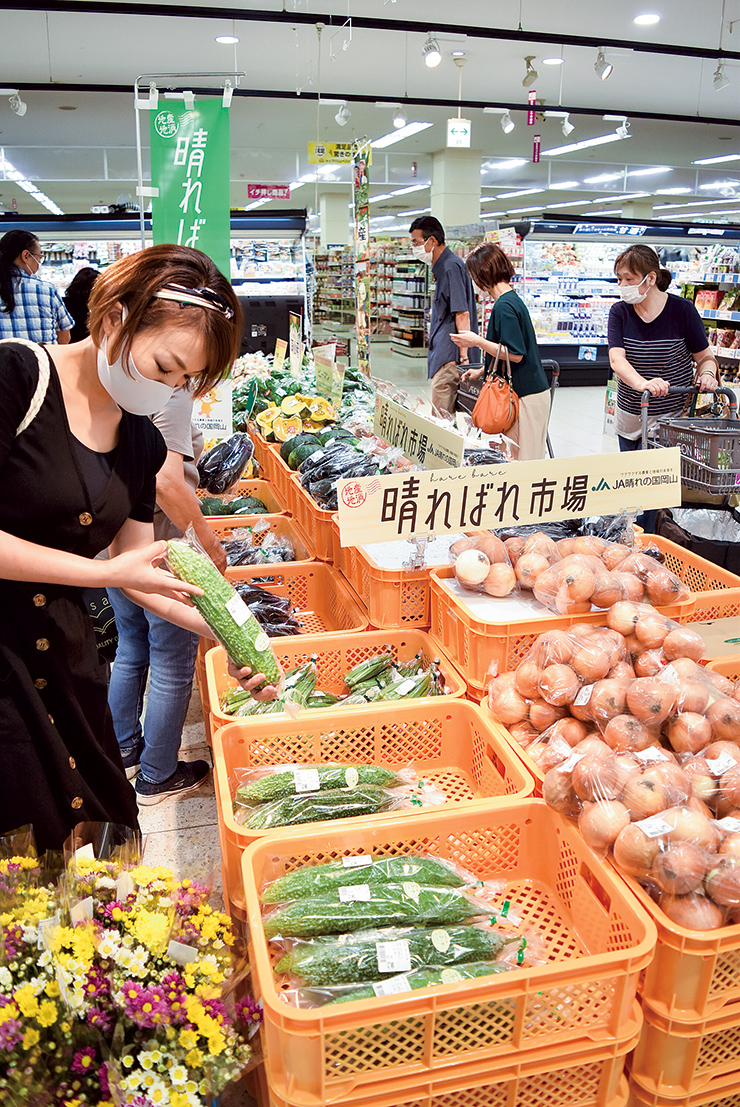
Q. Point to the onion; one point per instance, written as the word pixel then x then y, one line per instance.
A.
pixel 730 846
pixel 680 868
pixel 683 642
pixel 651 699
pixel 633 588
pixel 493 548
pixel 501 580
pixel 559 685
pixel 543 715
pixel 601 823
pixel 504 700
pixel 472 568
pixel 672 778
pixel 571 730
pixel 608 699
pixel 614 554
pixel 703 784
pixel 692 697
pixel 692 912
pixel 460 546
pixel 555 648
pixel 644 798
pixel 625 732
pixel 724 715
pixel 635 852
pixel 689 826
pixel 729 786
pixel 664 587
pixel 590 663
pixel 723 881
pixel 623 617
pixel 557 792
pixel 526 679
pixel 597 778
pixel 649 662
pixel 689 733
pixel 514 548
pixel 529 567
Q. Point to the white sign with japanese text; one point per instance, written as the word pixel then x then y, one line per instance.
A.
pixel 440 501
pixel 212 414
pixel 421 440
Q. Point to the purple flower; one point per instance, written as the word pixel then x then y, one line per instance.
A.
pixel 11 1033
pixel 84 1060
pixel 249 1011
pixel 147 1007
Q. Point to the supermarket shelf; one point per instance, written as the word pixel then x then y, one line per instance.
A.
pixel 715 313
pixel 721 351
pixel 707 278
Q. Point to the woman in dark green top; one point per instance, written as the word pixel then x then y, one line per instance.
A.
pixel 510 326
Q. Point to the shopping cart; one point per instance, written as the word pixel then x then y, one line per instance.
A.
pixel 710 447
pixel 552 372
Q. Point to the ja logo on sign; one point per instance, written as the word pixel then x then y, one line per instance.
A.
pixel 601 486
pixel 166 125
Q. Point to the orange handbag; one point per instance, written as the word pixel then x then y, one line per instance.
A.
pixel 497 407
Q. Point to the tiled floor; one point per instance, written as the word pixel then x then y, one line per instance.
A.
pixel 181 833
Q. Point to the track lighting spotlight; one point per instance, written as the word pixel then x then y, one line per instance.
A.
pixel 399 117
pixel 720 79
pixel 431 53
pixel 507 123
pixel 343 116
pixel 17 105
pixel 567 127
pixel 603 67
pixel 624 129
pixel 531 73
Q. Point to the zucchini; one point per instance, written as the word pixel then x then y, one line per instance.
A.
pixel 316 880
pixel 282 783
pixel 349 958
pixel 425 978
pixel 224 611
pixel 405 904
pixel 313 807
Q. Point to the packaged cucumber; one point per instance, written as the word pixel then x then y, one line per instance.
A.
pixel 308 997
pixel 312 880
pixel 337 803
pixel 362 905
pixel 263 785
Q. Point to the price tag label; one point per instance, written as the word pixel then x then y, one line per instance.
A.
pixel 46 929
pixel 316 455
pixel 355 893
pixel 650 755
pixel 392 987
pixel 281 348
pixel 85 851
pixel 352 778
pixel 238 610
pixel 82 911
pixel 412 889
pixel 451 976
pixel 180 953
pixel 306 780
pixel 654 827
pixel 720 765
pixel 583 696
pixel 405 687
pixel 360 862
pixel 732 826
pixel 441 940
pixel 393 956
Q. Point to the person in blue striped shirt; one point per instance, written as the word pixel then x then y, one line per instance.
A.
pixel 29 307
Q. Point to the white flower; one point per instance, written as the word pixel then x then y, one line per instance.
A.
pixel 146 1062
pixel 6 980
pixel 106 882
pixel 178 1074
pixel 155 1055
pixel 30 935
pixel 109 945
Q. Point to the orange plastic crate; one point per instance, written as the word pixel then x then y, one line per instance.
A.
pixel 315 523
pixel 262 451
pixel 336 654
pixel 592 1077
pixel 722 1091
pixel 694 973
pixel 675 1058
pixel 280 525
pixel 727 666
pixel 597 936
pixel 447 741
pixel 262 489
pixel 320 597
pixel 716 591
pixel 280 474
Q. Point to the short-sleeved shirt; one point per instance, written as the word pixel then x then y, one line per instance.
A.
pixel 175 424
pixel 661 348
pixel 39 311
pixel 511 325
pixel 453 293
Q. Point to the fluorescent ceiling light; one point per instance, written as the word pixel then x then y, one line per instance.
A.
pixel 492 214
pixel 569 204
pixel 487 199
pixel 520 211
pixel 716 161
pixel 620 196
pixel 649 19
pixel 397 136
pixel 13 174
pixel 607 211
pixel 563 184
pixel 552 61
pixel 699 203
pixel 410 188
pixel 506 163
pixel 602 177
pixel 721 184
pixel 416 211
pixel 227 40
pixel 679 190
pixel 257 204
pixel 382 196
pixel 649 172
pixel 601 140
pixel 520 192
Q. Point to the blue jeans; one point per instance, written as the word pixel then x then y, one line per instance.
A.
pixel 647 519
pixel 148 644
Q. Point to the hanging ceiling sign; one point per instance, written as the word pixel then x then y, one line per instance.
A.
pixel 329 153
pixel 532 109
pixel 268 192
pixel 536 147
pixel 458 133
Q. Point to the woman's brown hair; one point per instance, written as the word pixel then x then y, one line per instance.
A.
pixel 642 260
pixel 488 265
pixel 134 281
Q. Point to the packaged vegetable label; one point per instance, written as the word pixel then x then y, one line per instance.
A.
pixel 392 987
pixel 352 778
pixel 306 780
pixel 729 824
pixel 584 695
pixel 654 827
pixel 570 764
pixel 650 755
pixel 405 687
pixel 720 765
pixel 238 611
pixel 355 893
pixel 441 940
pixel 451 976
pixel 316 456
pixel 261 642
pixel 393 956
pixel 412 889
pixel 360 862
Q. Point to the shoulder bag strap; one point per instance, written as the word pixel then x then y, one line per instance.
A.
pixel 41 388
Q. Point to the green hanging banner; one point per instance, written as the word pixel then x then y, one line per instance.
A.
pixel 190 169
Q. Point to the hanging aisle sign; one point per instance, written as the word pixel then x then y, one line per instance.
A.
pixel 295 345
pixel 422 441
pixel 360 196
pixel 444 501
pixel 190 151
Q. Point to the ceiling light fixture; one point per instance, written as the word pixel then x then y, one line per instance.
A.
pixel 17 105
pixel 716 161
pixel 507 126
pixel 552 61
pixel 397 136
pixel 531 73
pixel 507 123
pixel 410 188
pixel 12 174
pixel 720 79
pixel 399 118
pixel 649 19
pixel 719 185
pixel 614 211
pixel 343 115
pixel 227 40
pixel 416 211
pixel 570 204
pixel 603 178
pixel 649 172
pixel 431 52
pixel 521 211
pixel 567 127
pixel 602 67
pixel 490 214
pixel 623 130
pixel 601 140
pixel 562 184
pixel 519 192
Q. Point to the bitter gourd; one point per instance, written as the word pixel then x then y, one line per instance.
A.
pixel 425 978
pixel 224 611
pixel 316 880
pixel 313 807
pixel 282 783
pixel 356 958
pixel 403 904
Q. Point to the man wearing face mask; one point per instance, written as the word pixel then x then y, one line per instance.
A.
pixel 453 309
pixel 655 340
pixel 29 307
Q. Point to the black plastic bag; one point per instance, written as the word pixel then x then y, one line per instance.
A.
pixel 220 468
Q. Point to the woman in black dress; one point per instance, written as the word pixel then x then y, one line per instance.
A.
pixel 78 458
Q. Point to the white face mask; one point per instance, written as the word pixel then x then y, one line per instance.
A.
pixel 631 294
pixel 421 254
pixel 130 390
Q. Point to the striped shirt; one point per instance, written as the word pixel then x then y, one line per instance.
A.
pixel 662 348
pixel 39 311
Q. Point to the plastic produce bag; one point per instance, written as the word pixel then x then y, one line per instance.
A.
pixel 363 869
pixel 221 467
pixel 395 985
pixel 252 787
pixel 482 564
pixel 275 613
pixel 337 803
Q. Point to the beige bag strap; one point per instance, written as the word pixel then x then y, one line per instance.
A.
pixel 41 388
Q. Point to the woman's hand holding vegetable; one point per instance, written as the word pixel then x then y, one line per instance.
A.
pixel 251 682
pixel 137 569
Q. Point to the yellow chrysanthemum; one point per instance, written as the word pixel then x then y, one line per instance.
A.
pixel 27 1002
pixel 30 1038
pixel 194 1058
pixel 47 1013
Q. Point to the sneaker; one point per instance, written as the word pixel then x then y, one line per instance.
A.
pixel 188 776
pixel 132 759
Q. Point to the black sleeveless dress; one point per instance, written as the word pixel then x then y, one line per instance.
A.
pixel 59 758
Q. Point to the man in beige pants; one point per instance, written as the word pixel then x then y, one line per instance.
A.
pixel 453 309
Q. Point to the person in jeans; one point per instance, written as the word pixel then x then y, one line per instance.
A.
pixel 149 645
pixel 453 309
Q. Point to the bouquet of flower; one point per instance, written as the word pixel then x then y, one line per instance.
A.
pixel 113 989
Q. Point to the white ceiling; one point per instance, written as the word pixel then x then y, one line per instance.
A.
pixel 87 156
